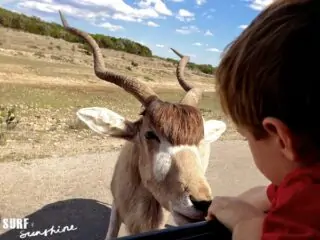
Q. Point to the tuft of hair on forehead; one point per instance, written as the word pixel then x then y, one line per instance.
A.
pixel 180 124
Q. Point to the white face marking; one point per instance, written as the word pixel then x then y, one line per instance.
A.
pixel 163 159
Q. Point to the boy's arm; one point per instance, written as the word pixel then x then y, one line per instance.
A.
pixel 257 196
pixel 249 229
pixel 299 215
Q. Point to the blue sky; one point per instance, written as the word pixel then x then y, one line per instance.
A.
pixel 198 28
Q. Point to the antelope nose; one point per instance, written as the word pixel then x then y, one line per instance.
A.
pixel 201 205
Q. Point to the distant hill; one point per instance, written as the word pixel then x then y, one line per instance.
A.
pixel 35 25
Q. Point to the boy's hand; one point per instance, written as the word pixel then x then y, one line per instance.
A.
pixel 231 210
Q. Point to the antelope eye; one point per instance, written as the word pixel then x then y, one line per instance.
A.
pixel 151 136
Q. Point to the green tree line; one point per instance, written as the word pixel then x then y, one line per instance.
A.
pixel 205 68
pixel 35 25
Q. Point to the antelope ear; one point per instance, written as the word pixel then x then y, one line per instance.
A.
pixel 213 129
pixel 104 121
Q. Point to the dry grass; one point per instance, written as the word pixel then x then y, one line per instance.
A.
pixel 71 59
pixel 46 91
pixel 48 127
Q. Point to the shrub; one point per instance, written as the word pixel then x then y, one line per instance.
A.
pixel 8 121
pixel 37 26
pixel 134 64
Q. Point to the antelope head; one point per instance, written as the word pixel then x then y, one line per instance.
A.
pixel 171 138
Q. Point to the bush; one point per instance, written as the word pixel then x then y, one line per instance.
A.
pixel 205 68
pixel 8 121
pixel 134 64
pixel 35 25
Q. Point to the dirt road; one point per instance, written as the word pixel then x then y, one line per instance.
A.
pixel 75 190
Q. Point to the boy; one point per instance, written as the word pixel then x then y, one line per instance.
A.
pixel 268 82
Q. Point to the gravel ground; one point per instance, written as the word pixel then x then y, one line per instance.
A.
pixel 75 190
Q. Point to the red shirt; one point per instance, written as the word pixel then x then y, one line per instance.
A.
pixel 295 206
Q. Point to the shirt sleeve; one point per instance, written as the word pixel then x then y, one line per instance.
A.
pixel 297 217
pixel 271 191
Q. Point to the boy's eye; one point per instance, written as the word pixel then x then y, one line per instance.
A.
pixel 151 136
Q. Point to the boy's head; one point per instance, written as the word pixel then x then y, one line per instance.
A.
pixel 268 82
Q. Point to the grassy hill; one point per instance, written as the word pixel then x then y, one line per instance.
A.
pixel 9 19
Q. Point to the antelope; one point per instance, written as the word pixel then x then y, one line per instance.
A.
pixel 161 167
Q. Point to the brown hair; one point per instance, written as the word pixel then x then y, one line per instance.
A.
pixel 271 69
pixel 180 124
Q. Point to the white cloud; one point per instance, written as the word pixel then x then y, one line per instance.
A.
pixel 213 50
pixel 208 13
pixel 128 18
pixel 208 33
pixel 197 44
pixel 16 11
pixel 201 2
pixel 158 5
pixel 187 29
pixel 259 4
pixel 111 27
pixel 7 1
pixel 185 16
pixel 98 10
pixel 152 24
pixel 243 26
pixel 48 7
pixel 160 45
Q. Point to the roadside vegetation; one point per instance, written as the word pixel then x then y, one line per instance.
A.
pixel 35 25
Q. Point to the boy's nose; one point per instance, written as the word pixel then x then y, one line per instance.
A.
pixel 201 205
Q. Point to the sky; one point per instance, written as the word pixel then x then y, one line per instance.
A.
pixel 198 28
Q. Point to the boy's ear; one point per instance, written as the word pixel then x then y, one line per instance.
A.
pixel 213 129
pixel 284 138
pixel 105 121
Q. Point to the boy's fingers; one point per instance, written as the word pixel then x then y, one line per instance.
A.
pixel 218 204
pixel 209 217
